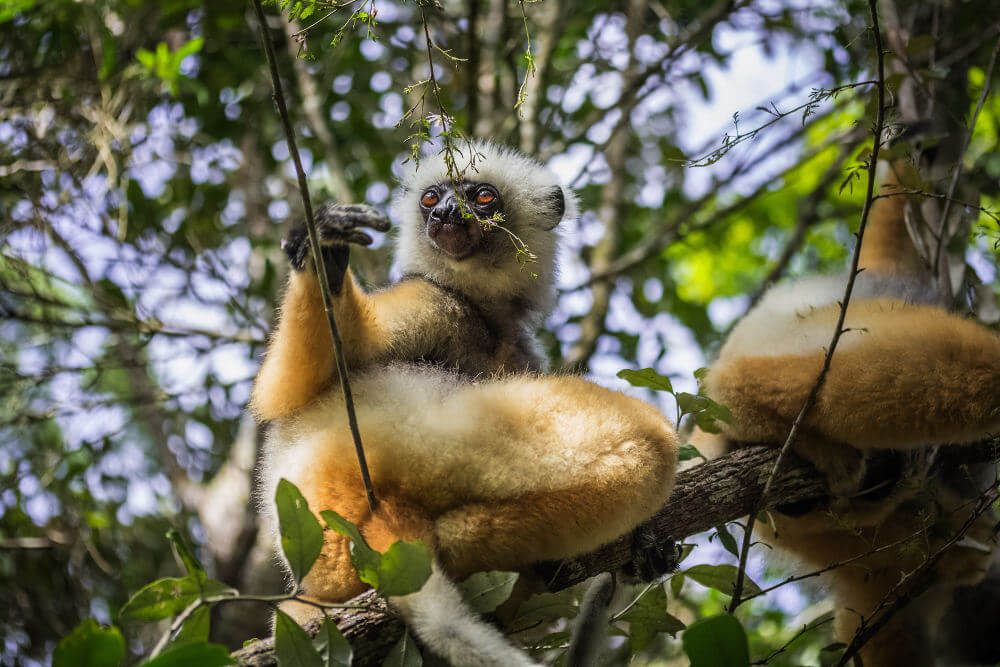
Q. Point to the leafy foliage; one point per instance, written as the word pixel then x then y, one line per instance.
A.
pixel 144 191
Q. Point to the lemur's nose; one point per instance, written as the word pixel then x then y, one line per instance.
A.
pixel 452 212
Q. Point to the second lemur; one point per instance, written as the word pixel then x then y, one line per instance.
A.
pixel 906 376
pixel 491 465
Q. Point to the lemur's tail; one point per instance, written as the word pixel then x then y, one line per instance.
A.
pixel 442 620
pixel 887 248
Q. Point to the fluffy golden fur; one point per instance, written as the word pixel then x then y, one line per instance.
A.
pixel 491 465
pixel 906 376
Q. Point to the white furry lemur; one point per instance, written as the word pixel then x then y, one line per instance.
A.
pixel 492 465
pixel 907 376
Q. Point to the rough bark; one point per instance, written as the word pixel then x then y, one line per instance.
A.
pixel 704 496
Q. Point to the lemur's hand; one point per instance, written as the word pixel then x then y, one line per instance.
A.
pixel 338 226
pixel 652 556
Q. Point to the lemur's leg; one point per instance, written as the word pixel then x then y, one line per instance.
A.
pixel 507 473
pixel 904 376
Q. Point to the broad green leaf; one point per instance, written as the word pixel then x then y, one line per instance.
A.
pixel 691 403
pixel 719 411
pixel 168 597
pixel 201 654
pixel 485 591
pixel 721 577
pixel 676 584
pixel 717 641
pixel 706 422
pixel 365 559
pixel 191 564
pixel 688 452
pixel 404 654
pixel 195 628
pixel 403 568
pixel 546 607
pixel 192 46
pixel 686 550
pixel 292 645
pixel 648 617
pixel 301 534
pixel 727 540
pixel 332 645
pixel 646 377
pixel 90 645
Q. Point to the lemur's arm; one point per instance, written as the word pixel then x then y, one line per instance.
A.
pixel 402 322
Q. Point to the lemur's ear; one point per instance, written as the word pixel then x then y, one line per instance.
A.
pixel 556 200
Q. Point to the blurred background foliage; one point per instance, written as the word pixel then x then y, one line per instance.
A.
pixel 145 186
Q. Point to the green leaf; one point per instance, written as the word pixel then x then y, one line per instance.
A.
pixel 646 377
pixel 706 422
pixel 727 540
pixel 403 569
pixel 719 411
pixel 168 597
pixel 195 628
pixel 688 452
pixel 201 654
pixel 404 654
pixel 332 645
pixel 717 641
pixel 648 617
pixel 191 564
pixel 193 46
pixel 676 584
pixel 546 607
pixel 721 577
pixel 292 645
pixel 691 403
pixel 90 645
pixel 301 534
pixel 363 557
pixel 485 591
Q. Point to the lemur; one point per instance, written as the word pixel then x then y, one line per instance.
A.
pixel 492 465
pixel 906 377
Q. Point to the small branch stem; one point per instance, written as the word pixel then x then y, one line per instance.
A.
pixel 839 329
pixel 317 255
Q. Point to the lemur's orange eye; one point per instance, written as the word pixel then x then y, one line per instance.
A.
pixel 485 197
pixel 430 198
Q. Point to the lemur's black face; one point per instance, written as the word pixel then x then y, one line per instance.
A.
pixel 458 236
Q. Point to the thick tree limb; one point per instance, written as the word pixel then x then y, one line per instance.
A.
pixel 704 496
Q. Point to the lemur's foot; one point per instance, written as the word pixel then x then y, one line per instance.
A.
pixel 338 226
pixel 652 556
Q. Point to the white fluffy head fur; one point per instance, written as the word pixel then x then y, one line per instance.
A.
pixel 530 212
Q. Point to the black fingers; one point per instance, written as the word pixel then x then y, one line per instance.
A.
pixel 339 218
pixel 652 556
pixel 337 225
pixel 296 246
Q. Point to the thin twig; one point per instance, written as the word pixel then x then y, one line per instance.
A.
pixel 808 627
pixel 839 329
pixel 317 255
pixel 945 279
pixel 915 583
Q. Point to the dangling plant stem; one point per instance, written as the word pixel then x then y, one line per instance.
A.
pixel 317 256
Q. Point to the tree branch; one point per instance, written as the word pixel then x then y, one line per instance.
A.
pixel 707 495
